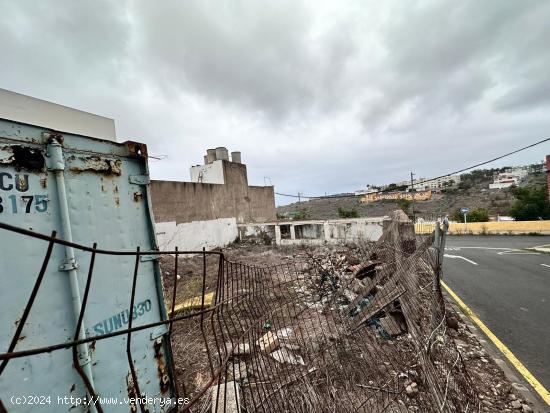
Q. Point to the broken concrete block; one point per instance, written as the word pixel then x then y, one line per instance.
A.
pixel 241 349
pixel 357 286
pixel 284 332
pixel 516 404
pixel 350 295
pixel 412 390
pixel 284 355
pixel 268 342
pixel 238 370
pixel 290 346
pixel 225 398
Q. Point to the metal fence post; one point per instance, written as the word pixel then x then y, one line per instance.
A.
pixel 444 228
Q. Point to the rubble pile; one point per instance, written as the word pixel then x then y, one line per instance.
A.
pixel 359 328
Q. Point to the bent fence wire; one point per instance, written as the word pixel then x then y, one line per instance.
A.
pixel 300 337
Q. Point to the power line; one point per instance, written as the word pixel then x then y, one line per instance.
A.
pixel 427 180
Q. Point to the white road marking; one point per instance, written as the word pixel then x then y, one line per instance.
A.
pixel 480 248
pixel 541 246
pixel 517 252
pixel 460 257
pixel 545 265
pixel 507 251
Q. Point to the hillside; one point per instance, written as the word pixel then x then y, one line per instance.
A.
pixel 472 193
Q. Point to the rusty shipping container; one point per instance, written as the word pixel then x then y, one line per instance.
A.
pixel 87 190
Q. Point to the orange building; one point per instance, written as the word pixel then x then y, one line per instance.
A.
pixel 378 196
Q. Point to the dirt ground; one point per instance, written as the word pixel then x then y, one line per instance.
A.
pixel 193 358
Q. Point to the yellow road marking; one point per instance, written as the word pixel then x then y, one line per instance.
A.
pixel 539 388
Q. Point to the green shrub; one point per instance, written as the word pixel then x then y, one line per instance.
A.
pixel 531 204
pixel 404 204
pixel 348 213
pixel 300 215
pixel 475 215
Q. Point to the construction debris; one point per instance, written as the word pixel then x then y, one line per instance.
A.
pixel 283 355
pixel 241 349
pixel 194 303
pixel 226 398
pixel 412 390
pixel 237 370
pixel 268 342
pixel 368 321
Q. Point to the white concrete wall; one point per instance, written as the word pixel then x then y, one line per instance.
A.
pixel 354 231
pixel 33 111
pixel 211 173
pixel 330 231
pixel 192 236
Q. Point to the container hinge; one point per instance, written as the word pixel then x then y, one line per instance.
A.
pixel 140 179
pixel 159 332
pixel 68 265
pixel 145 258
pixel 83 360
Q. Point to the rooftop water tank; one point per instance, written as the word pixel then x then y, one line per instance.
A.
pixel 222 154
pixel 236 157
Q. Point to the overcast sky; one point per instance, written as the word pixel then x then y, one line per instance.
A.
pixel 318 96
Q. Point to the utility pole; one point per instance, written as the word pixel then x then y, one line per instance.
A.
pixel 299 197
pixel 412 190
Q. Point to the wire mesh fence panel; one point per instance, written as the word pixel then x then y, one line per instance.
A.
pixel 305 335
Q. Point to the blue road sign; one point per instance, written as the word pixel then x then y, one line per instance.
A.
pixel 464 210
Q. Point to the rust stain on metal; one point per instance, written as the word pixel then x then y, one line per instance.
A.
pixel 138 196
pixel 22 182
pixel 132 395
pixel 44 182
pixel 136 149
pixel 164 379
pixel 22 158
pixel 117 201
pixel 100 165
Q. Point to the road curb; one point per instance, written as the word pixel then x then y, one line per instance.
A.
pixel 519 383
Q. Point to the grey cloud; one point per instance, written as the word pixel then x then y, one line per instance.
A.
pixel 257 55
pixel 534 96
pixel 319 96
pixel 443 57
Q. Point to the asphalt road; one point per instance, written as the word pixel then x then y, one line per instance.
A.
pixel 509 289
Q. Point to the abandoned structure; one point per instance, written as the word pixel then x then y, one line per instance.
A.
pixel 315 232
pixel 206 211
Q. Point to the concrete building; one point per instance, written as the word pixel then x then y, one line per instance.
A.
pixel 206 211
pixel 420 184
pixel 33 111
pixel 511 176
pixel 442 182
pixel 395 195
pixel 212 172
pixel 316 232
